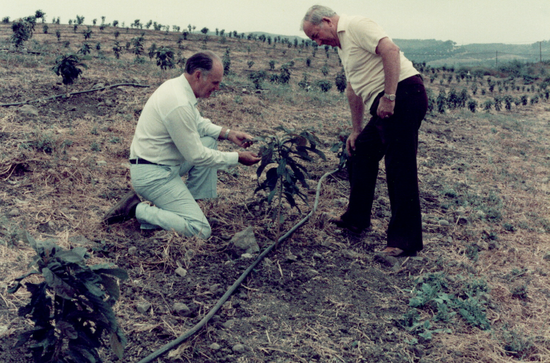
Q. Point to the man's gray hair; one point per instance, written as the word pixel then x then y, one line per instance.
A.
pixel 316 13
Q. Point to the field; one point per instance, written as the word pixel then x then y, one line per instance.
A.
pixel 478 292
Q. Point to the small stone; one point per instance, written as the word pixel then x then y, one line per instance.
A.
pixel 101 162
pixel 443 223
pixel 14 212
pixel 181 309
pixel 189 254
pixel 181 271
pixel 244 242
pixel 385 260
pixel 215 288
pixel 28 110
pixel 238 348
pixel 143 307
pixel 132 250
pixel 215 346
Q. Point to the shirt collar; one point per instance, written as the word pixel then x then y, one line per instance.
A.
pixel 188 90
pixel 343 23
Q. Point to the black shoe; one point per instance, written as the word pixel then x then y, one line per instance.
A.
pixel 397 252
pixel 124 210
pixel 340 223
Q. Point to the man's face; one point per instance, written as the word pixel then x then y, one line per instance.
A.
pixel 207 85
pixel 322 34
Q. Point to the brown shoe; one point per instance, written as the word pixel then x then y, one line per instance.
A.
pixel 397 252
pixel 124 210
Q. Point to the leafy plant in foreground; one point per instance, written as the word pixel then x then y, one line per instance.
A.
pixel 72 308
pixel 282 180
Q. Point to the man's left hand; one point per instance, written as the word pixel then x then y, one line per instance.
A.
pixel 240 138
pixel 385 108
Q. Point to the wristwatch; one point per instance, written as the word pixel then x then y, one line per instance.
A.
pixel 390 97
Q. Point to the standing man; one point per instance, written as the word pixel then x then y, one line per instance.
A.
pixel 383 81
pixel 172 139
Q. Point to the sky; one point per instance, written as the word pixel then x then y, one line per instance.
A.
pixel 461 21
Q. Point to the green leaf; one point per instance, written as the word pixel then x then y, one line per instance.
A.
pixel 94 288
pixel 67 329
pixel 60 287
pixel 111 286
pixel 117 272
pixel 281 168
pixel 31 241
pixel 117 345
pixel 271 178
pixel 290 200
pixel 71 256
pixel 271 195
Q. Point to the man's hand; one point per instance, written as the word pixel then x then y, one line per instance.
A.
pixel 248 158
pixel 240 138
pixel 350 142
pixel 385 108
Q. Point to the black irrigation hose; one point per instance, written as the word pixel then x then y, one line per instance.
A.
pixel 236 284
pixel 70 94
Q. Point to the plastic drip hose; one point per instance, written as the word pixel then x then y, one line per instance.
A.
pixel 236 284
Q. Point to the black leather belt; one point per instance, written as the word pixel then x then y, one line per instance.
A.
pixel 142 161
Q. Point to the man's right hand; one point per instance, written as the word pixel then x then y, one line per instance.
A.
pixel 350 142
pixel 248 158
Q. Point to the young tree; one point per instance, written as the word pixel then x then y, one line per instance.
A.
pixel 70 306
pixel 39 14
pixel 87 33
pixel 22 31
pixel 341 81
pixel 117 49
pixel 226 62
pixel 84 49
pixel 67 67
pixel 165 57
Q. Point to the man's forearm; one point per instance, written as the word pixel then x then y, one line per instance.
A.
pixel 392 64
pixel 357 108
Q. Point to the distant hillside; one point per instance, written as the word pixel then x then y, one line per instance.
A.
pixel 437 52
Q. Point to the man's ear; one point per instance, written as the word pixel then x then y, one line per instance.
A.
pixel 197 75
pixel 327 20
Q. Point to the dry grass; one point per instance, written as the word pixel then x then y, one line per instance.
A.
pixel 484 173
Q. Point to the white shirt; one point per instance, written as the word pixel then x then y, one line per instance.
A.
pixel 359 37
pixel 170 127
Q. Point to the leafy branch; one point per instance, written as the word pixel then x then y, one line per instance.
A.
pixel 282 180
pixel 72 308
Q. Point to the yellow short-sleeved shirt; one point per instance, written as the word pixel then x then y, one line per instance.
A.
pixel 359 37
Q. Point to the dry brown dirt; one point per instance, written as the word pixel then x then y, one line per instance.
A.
pixel 322 295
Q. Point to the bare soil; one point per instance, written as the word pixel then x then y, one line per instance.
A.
pixel 323 295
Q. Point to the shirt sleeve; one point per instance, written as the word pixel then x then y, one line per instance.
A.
pixel 185 127
pixel 205 127
pixel 366 33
